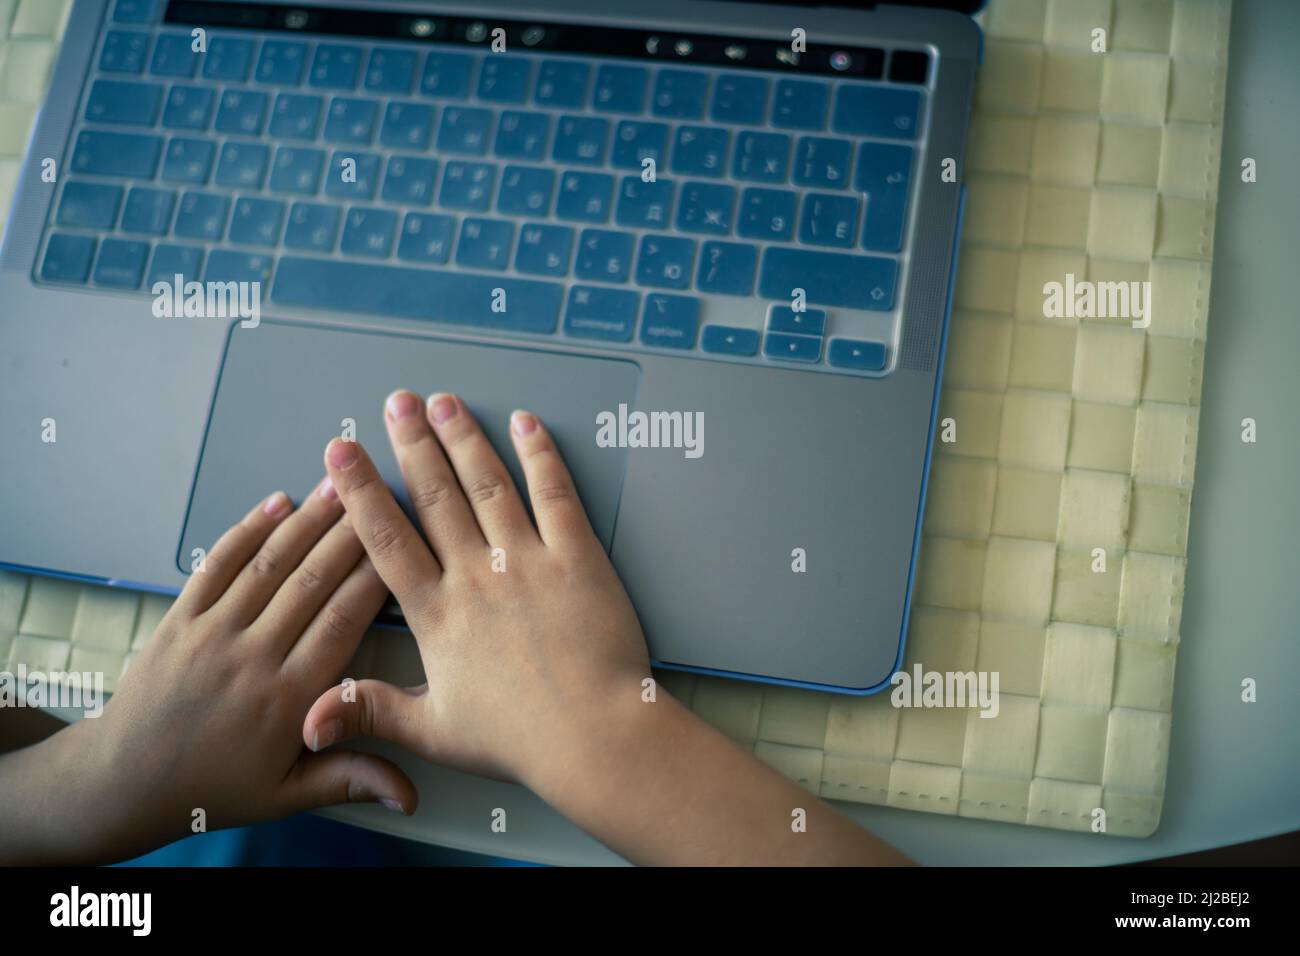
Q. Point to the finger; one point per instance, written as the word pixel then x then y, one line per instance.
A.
pixel 367 708
pixel 311 584
pixel 218 568
pixel 279 555
pixel 488 486
pixel 331 639
pixel 326 780
pixel 400 557
pixel 436 495
pixel 561 519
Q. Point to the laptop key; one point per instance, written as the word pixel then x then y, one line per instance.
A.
pixel 680 94
pixel 464 131
pixel 447 75
pixel 282 62
pixel 762 157
pixel 706 208
pixel 351 121
pixel 864 356
pixel 883 172
pixel 828 278
pixel 876 111
pixel 67 258
pixel 522 135
pixel 409 180
pixel 256 221
pixel 604 255
pixel 485 243
pixel 297 170
pixel 391 71
pixel 335 66
pixel 767 214
pixel 581 140
pixel 665 262
pixel 242 165
pixel 562 84
pixel 312 227
pixel 504 79
pixel 133 11
pixel 116 154
pixel 462 298
pixel 426 238
pixel 188 107
pixel 643 205
pixel 201 216
pixel 544 250
pixel 148 211
pixel 700 150
pixel 368 232
pixel 800 104
pixel 352 175
pixel 467 186
pixel 170 260
pixel 725 340
pixel 525 191
pixel 227 265
pixel 120 101
pixel 792 348
pixel 188 160
pixel 608 315
pixel 296 116
pixel 407 125
pixel 727 268
pixel 739 99
pixel 174 55
pixel 241 112
pixel 670 321
pixel 228 58
pixel 620 89
pixel 829 220
pixel 123 52
pixel 808 322
pixel 120 263
pixel 822 162
pixel 89 205
pixel 585 197
pixel 636 141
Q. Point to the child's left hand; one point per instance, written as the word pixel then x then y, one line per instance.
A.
pixel 209 716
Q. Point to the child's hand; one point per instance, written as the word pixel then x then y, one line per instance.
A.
pixel 528 641
pixel 209 715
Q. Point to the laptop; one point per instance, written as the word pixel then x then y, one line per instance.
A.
pixel 710 243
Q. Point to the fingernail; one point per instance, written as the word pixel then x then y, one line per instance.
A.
pixel 327 734
pixel 327 489
pixel 524 423
pixel 341 454
pixel 392 805
pixel 276 505
pixel 402 404
pixel 442 408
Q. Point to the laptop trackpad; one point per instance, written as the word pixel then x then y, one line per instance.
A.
pixel 286 390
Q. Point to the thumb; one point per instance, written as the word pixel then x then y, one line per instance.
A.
pixel 366 708
pixel 326 780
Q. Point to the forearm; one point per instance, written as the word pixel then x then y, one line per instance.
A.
pixel 661 787
pixel 53 801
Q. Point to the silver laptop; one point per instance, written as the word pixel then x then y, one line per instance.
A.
pixel 710 243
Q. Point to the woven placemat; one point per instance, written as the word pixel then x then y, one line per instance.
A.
pixel 1069 436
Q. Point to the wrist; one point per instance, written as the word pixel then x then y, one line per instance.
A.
pixel 605 749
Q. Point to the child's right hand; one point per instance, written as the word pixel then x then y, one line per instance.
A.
pixel 526 668
pixel 534 674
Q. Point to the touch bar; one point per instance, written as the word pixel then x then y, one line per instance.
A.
pixel 736 52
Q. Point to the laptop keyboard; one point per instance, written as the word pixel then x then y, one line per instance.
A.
pixel 508 192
